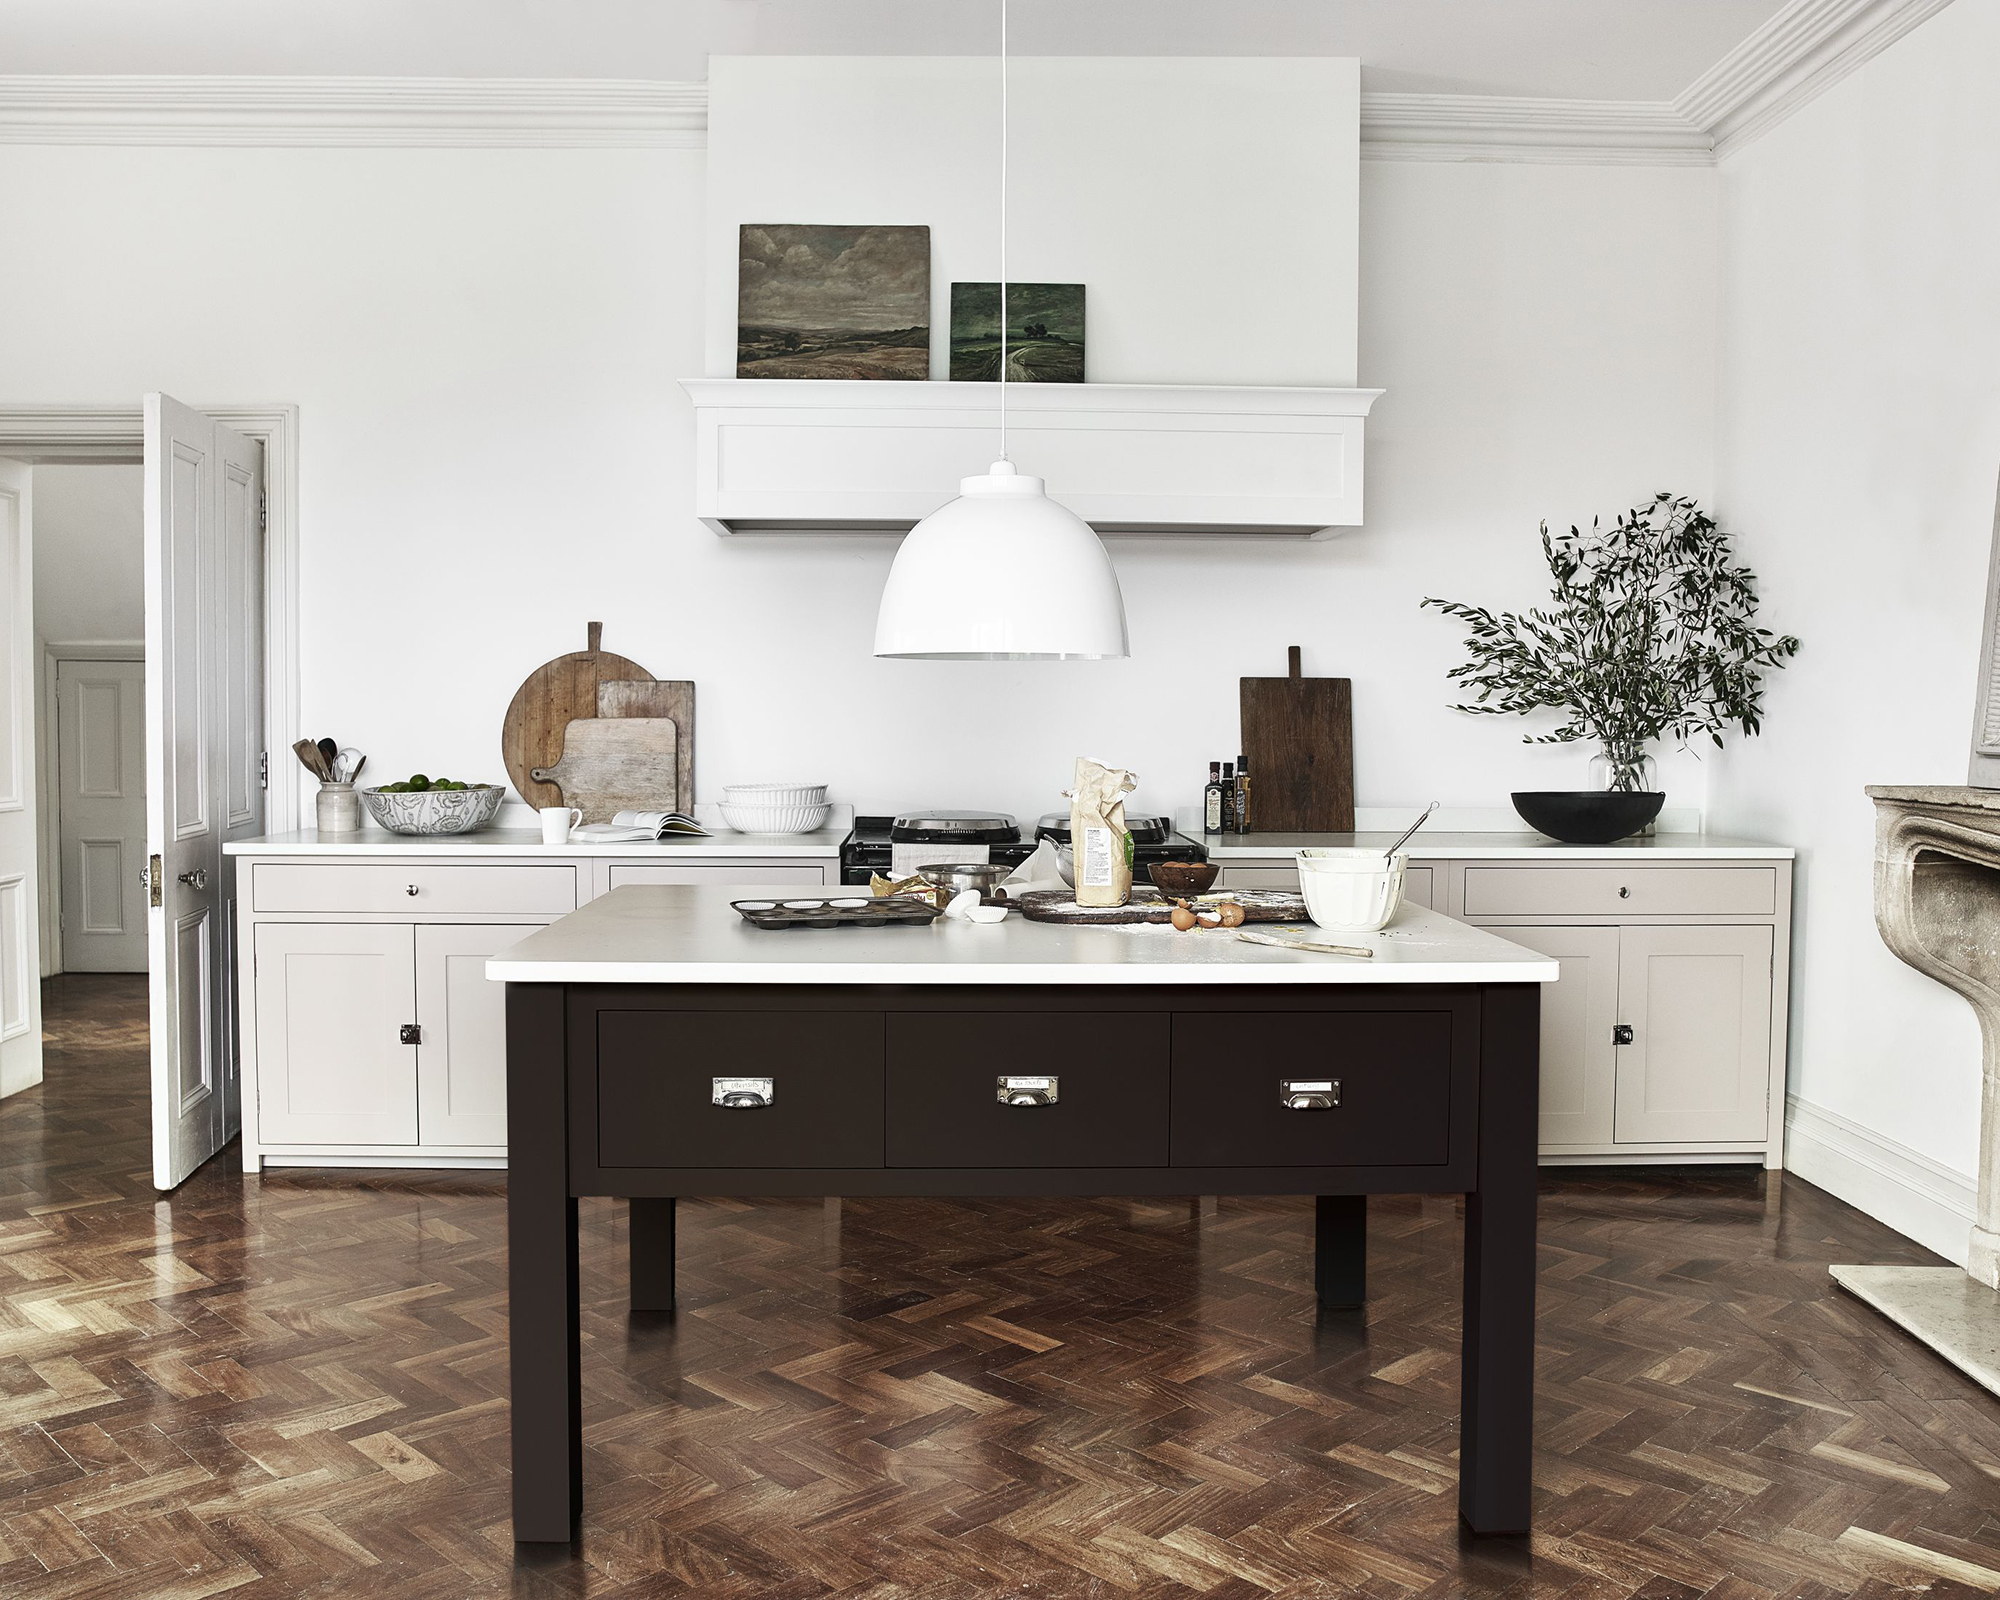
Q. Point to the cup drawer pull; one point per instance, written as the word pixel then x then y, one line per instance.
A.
pixel 742 1093
pixel 1036 1091
pixel 1309 1094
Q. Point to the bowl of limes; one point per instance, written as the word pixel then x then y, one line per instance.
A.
pixel 423 804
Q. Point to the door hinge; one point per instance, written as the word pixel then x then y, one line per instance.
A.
pixel 153 889
pixel 1622 1033
pixel 411 1034
pixel 263 769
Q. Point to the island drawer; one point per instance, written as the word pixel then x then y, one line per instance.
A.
pixel 1094 1107
pixel 1236 1074
pixel 663 1078
pixel 417 889
pixel 1620 891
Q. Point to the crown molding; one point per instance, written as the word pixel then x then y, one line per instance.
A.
pixel 516 113
pixel 1798 55
pixel 1479 127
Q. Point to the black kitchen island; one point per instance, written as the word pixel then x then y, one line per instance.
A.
pixel 658 1046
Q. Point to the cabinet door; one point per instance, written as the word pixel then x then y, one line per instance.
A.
pixel 462 1060
pixel 332 1000
pixel 1579 1062
pixel 1698 1001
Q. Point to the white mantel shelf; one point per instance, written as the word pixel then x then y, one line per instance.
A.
pixel 835 456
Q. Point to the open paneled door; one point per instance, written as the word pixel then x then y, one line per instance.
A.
pixel 204 744
pixel 20 915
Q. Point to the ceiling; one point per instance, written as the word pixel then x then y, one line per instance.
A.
pixel 1640 50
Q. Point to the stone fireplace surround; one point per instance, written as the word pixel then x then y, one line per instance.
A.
pixel 1937 904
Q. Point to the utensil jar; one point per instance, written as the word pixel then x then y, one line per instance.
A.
pixel 339 808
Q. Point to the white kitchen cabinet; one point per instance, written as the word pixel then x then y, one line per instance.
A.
pixel 345 944
pixel 1579 1011
pixel 332 1000
pixel 461 1052
pixel 1698 1002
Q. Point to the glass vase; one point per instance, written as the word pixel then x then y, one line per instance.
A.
pixel 1625 769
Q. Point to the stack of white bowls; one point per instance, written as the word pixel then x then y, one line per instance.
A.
pixel 775 807
pixel 1351 891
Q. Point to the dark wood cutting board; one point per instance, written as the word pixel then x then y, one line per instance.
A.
pixel 1149 905
pixel 1298 737
pixel 553 696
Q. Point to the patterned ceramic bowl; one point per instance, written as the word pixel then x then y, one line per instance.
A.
pixel 435 810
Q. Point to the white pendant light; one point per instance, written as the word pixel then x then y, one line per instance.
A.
pixel 1002 573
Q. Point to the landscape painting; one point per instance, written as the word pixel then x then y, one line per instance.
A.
pixel 816 301
pixel 1045 332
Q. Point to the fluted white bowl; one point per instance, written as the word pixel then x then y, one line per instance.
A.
pixel 774 794
pixel 776 819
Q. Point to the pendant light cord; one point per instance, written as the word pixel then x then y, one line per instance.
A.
pixel 1003 230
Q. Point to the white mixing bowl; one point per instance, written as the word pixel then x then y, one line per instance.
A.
pixel 1351 891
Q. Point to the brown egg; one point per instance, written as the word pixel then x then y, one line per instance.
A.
pixel 1232 914
pixel 1182 918
pixel 1209 919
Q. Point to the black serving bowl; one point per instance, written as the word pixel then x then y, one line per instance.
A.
pixel 1588 816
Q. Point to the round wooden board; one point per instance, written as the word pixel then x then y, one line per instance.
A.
pixel 553 695
pixel 1149 905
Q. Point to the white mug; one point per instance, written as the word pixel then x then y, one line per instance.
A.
pixel 557 821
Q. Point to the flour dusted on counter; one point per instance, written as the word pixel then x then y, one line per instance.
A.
pixel 1101 842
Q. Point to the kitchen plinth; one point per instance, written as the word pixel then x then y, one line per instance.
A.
pixel 657 1046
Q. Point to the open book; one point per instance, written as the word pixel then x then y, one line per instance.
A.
pixel 626 825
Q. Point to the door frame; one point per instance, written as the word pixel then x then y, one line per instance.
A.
pixel 116 435
pixel 48 757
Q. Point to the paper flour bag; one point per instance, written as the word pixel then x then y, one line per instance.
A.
pixel 1099 840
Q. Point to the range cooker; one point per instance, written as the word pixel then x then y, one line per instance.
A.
pixel 935 835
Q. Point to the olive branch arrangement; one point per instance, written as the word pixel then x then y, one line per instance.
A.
pixel 1651 632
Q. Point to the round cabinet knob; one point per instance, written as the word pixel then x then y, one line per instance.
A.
pixel 1624 893
pixel 411 890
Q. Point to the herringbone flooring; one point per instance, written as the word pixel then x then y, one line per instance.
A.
pixel 297 1385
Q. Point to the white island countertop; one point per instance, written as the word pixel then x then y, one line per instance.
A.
pixel 720 845
pixel 1522 846
pixel 683 934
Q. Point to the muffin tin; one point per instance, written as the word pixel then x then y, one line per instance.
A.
pixel 843 911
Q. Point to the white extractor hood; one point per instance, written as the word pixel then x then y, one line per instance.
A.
pixel 836 456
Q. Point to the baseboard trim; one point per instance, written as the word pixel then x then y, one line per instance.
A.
pixel 1892 1183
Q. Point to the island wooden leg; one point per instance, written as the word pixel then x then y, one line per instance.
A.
pixel 1497 1390
pixel 544 1357
pixel 652 1275
pixel 1340 1250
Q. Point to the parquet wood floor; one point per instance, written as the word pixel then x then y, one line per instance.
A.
pixel 296 1385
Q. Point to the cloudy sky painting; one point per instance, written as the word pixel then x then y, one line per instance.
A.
pixel 821 301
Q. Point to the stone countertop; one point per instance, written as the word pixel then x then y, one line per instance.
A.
pixel 683 934
pixel 1522 846
pixel 515 842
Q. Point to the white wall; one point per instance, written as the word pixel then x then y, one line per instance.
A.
pixel 484 346
pixel 1207 206
pixel 89 553
pixel 1860 427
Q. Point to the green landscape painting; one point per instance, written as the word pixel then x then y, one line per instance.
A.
pixel 1044 332
pixel 815 301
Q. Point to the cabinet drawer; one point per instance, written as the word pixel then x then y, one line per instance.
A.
pixel 419 889
pixel 808 873
pixel 656 1073
pixel 1620 891
pixel 1417 881
pixel 1109 1110
pixel 1393 1069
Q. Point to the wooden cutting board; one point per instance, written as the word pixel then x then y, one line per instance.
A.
pixel 1149 905
pixel 612 764
pixel 1298 736
pixel 551 697
pixel 661 697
